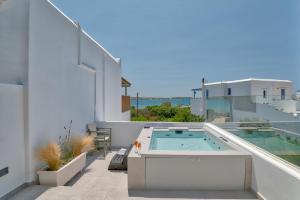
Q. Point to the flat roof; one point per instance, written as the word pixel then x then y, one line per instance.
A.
pixel 249 79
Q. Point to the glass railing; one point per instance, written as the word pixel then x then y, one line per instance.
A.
pixel 281 139
pixel 218 109
pixel 239 108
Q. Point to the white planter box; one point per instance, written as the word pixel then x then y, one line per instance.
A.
pixel 64 174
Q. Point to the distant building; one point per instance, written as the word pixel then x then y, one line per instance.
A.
pixel 248 98
pixel 265 90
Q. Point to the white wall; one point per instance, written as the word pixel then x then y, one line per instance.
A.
pixel 237 89
pixel 126 116
pixel 202 172
pixel 273 88
pixel 108 76
pixel 61 89
pixel 14 41
pixel 11 137
pixel 113 91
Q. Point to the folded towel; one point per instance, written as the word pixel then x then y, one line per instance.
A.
pixel 122 151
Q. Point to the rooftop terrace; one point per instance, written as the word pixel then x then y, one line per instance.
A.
pixel 268 165
pixel 96 182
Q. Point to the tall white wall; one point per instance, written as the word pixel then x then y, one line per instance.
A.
pixel 12 144
pixel 113 91
pixel 14 41
pixel 65 83
pixel 66 76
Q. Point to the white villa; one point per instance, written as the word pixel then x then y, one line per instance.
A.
pixel 266 89
pixel 267 99
pixel 52 72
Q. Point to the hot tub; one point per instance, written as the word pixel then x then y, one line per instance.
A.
pixel 185 140
pixel 183 158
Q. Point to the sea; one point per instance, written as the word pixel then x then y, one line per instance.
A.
pixel 218 105
pixel 144 102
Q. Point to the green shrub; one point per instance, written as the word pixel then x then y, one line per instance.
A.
pixel 165 112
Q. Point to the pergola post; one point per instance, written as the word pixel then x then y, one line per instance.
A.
pixel 203 91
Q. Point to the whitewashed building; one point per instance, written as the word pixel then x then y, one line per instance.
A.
pixel 249 98
pixel 266 90
pixel 51 72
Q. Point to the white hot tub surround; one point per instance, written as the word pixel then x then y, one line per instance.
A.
pixel 228 169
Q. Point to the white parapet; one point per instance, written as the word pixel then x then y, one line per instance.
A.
pixel 272 177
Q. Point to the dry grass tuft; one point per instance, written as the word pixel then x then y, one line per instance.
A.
pixel 51 155
pixel 81 144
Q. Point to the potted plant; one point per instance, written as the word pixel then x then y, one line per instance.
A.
pixel 63 160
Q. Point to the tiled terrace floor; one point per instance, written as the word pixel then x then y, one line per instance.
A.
pixel 97 183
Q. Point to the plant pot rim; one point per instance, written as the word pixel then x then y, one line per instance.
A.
pixel 65 166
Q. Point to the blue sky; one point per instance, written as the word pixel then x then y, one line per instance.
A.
pixel 167 46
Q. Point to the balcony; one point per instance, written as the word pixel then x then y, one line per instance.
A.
pixel 125 103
